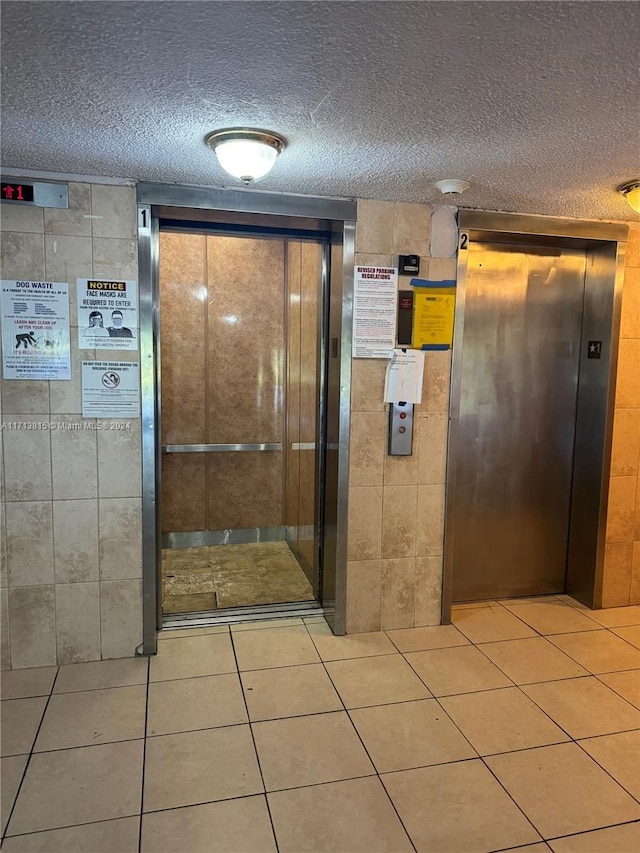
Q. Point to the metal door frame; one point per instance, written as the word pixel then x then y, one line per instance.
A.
pixel 605 246
pixel 336 218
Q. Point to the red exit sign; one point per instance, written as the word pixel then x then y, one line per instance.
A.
pixel 17 192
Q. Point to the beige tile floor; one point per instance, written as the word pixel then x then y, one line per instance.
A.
pixel 516 728
pixel 218 576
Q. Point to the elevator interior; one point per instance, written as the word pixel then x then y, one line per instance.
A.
pixel 240 356
pixel 531 412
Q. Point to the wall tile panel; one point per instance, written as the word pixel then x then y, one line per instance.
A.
pixel 29 543
pixel 77 622
pixel 75 531
pixel 32 626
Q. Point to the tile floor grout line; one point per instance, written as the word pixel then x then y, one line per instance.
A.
pixel 513 800
pixel 87 745
pixel 539 636
pixel 476 642
pixel 602 767
pixel 144 756
pixel 581 664
pixel 595 829
pixel 609 734
pixel 371 761
pixel 508 676
pixel 613 688
pixel 30 755
pixel 255 747
pixel 544 711
pixel 72 826
pixel 98 689
pixel 439 699
pixel 517 687
pixel 472 691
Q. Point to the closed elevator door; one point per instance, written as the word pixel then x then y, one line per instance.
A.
pixel 518 397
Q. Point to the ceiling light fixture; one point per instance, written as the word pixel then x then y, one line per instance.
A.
pixel 452 186
pixel 631 191
pixel 244 152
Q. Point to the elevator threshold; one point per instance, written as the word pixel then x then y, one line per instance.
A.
pixel 238 615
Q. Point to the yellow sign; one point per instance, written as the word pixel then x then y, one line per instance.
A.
pixel 433 316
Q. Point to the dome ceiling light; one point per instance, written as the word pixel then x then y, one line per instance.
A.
pixel 246 153
pixel 631 191
pixel 452 186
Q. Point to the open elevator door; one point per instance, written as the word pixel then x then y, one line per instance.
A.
pixel 305 218
pixel 242 418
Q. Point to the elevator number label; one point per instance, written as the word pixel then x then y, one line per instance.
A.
pixel 594 349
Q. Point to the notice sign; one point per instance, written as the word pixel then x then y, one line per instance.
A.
pixel 107 314
pixel 433 317
pixel 374 311
pixel 35 330
pixel 403 382
pixel 110 389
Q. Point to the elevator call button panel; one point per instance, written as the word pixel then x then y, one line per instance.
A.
pixel 400 429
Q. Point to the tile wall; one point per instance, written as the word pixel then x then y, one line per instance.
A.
pixel 71 500
pixel 396 504
pixel 70 515
pixel 222 330
pixel 622 552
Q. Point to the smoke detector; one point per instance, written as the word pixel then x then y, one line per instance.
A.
pixel 452 186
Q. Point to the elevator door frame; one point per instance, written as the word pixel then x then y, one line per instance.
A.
pixel 334 219
pixel 604 245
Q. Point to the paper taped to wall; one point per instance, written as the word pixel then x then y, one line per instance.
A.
pixel 403 382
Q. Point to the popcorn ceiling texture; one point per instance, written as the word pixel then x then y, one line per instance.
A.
pixel 535 103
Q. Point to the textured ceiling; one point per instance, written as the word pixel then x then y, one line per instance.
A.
pixel 537 104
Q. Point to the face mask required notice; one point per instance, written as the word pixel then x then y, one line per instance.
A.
pixel 107 314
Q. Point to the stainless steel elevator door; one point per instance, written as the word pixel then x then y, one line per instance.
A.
pixel 518 395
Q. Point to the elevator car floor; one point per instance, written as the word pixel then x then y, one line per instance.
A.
pixel 516 727
pixel 210 578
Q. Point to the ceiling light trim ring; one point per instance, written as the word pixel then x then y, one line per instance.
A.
pixel 631 192
pixel 267 137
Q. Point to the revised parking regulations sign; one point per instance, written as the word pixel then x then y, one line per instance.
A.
pixel 110 389
pixel 35 330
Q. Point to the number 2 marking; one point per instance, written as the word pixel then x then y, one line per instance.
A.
pixel 464 241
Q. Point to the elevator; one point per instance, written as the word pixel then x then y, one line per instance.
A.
pixel 535 350
pixel 245 317
pixel 241 326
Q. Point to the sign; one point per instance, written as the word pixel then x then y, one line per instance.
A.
pixel 594 349
pixel 35 330
pixel 434 307
pixel 17 192
pixel 374 311
pixel 107 314
pixel 110 389
pixel 403 382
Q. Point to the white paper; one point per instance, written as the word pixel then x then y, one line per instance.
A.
pixel 444 232
pixel 375 303
pixel 110 389
pixel 403 382
pixel 107 314
pixel 35 330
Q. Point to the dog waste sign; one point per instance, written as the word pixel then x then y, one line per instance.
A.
pixel 110 389
pixel 35 330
